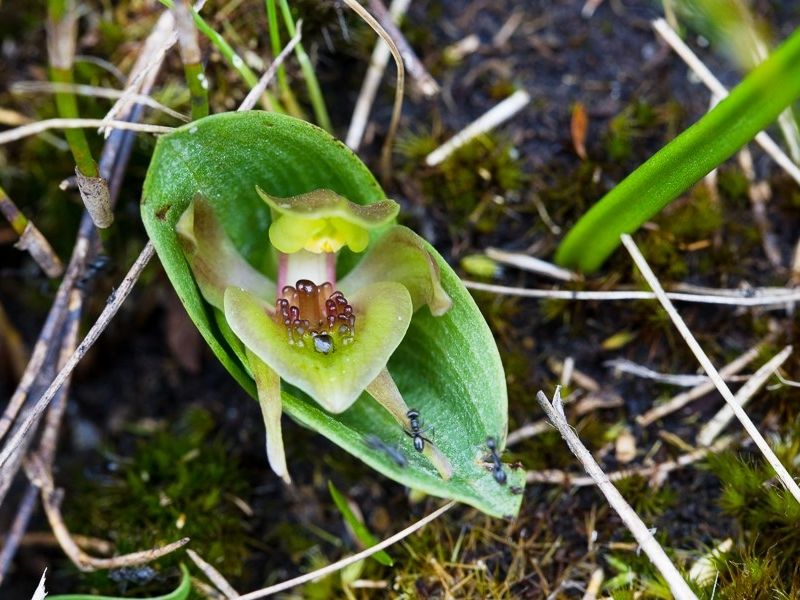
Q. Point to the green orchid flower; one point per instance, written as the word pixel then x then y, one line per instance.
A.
pixel 331 339
pixel 305 289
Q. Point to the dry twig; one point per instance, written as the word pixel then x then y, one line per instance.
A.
pixel 213 575
pixel 769 298
pixel 18 133
pixel 372 79
pixel 427 84
pixel 486 122
pixel 709 368
pixel 725 415
pixel 258 90
pixel 555 412
pixel 684 398
pixel 530 263
pixel 30 238
pixel 656 473
pixel 397 108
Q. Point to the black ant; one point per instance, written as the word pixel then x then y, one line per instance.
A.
pixel 497 469
pixel 93 269
pixel 416 432
pixel 376 443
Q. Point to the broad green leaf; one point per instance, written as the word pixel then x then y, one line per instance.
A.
pixel 357 526
pixel 448 367
pixel 751 106
pixel 180 593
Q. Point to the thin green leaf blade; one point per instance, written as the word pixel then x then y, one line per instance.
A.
pixel 750 108
pixel 357 526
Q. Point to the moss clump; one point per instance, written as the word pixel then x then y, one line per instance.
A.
pixel 646 500
pixel 472 184
pixel 180 482
pixel 767 517
pixel 624 128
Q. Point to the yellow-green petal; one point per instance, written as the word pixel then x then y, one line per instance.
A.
pixel 214 260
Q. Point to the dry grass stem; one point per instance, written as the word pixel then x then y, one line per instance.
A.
pixel 144 71
pixel 113 305
pixel 426 84
pixel 594 585
pixel 720 421
pixel 258 90
pixel 712 83
pixel 49 87
pixel 555 413
pixel 397 108
pixel 773 299
pixel 30 238
pixel 489 120
pixel 96 198
pixel 532 264
pixel 16 532
pixel 18 133
pixel 684 398
pixel 657 473
pixel 51 329
pixel 341 564
pixel 213 575
pixel 42 478
pixel 760 193
pixel 372 79
pixel 623 365
pixel 709 368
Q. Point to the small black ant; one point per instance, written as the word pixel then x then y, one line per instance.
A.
pixel 136 576
pixel 416 432
pixel 376 443
pixel 93 269
pixel 497 468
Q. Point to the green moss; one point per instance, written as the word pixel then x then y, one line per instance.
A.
pixel 766 514
pixel 624 128
pixel 179 482
pixel 648 501
pixel 471 184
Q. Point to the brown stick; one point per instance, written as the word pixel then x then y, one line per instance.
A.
pixel 426 83
pixel 113 305
pixel 30 238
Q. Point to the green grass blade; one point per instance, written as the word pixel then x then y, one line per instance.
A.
pixel 314 91
pixel 751 107
pixel 225 49
pixel 359 529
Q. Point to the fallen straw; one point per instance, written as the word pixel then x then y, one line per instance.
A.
pixel 486 122
pixel 709 368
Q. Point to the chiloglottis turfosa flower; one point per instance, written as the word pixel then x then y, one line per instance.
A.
pixel 330 338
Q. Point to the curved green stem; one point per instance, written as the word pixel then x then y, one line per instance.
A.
pixel 752 106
